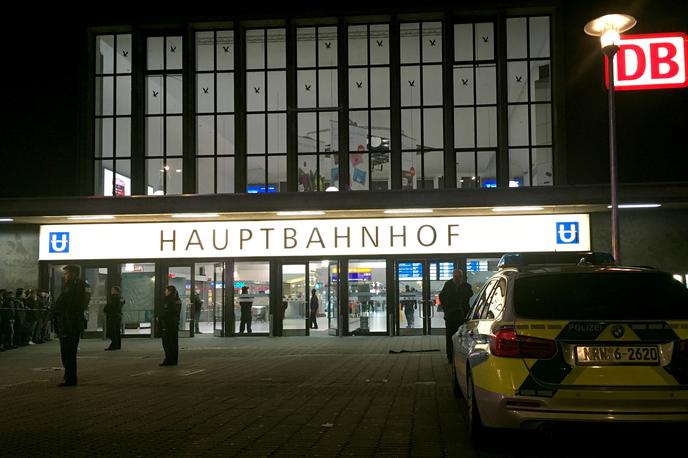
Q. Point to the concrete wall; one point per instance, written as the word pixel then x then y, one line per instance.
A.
pixel 654 237
pixel 18 256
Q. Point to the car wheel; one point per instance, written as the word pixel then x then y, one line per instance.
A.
pixel 456 389
pixel 475 424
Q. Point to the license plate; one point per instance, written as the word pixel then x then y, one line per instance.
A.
pixel 601 355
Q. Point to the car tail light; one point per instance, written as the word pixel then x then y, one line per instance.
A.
pixel 509 344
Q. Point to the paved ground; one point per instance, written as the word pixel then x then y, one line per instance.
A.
pixel 289 396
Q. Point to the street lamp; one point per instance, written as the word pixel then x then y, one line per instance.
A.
pixel 609 28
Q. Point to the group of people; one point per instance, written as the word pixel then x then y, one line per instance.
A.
pixel 24 318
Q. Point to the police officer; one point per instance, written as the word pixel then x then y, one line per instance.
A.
pixel 246 303
pixel 69 319
pixel 454 298
pixel 113 318
pixel 168 320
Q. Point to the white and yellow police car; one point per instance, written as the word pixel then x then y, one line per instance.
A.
pixel 573 337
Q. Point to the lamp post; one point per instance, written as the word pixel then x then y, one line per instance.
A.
pixel 609 28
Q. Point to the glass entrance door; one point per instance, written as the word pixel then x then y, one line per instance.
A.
pixel 138 292
pixel 208 298
pixel 180 277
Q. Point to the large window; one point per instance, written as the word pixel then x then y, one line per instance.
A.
pixel 112 129
pixel 369 107
pixel 215 112
pixel 529 101
pixel 317 102
pixel 266 110
pixel 422 157
pixel 164 130
pixel 475 105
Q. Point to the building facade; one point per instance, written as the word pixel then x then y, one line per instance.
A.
pixel 353 152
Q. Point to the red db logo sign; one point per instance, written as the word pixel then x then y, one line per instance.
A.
pixel 652 61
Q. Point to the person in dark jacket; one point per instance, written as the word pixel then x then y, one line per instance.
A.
pixel 69 319
pixel 113 318
pixel 454 298
pixel 246 304
pixel 168 320
pixel 197 305
pixel 313 320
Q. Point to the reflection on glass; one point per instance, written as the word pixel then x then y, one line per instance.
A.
pixel 138 291
pixel 478 271
pixel 180 278
pixel 367 296
pixel 207 310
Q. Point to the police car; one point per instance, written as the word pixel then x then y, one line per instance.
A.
pixel 573 337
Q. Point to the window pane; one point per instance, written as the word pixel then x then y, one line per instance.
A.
pixel 432 85
pixel 277 91
pixel 307 173
pixel 305 47
pixel 307 133
pixel 518 81
pixel 205 175
pixel 306 89
pixel 105 61
pixel 277 173
pixel 539 36
pixel 205 93
pixel 327 88
pixel 155 53
pixel 124 95
pixel 256 133
pixel 123 132
pixel 380 130
pixel 255 173
pixel 463 85
pixel 541 123
pixel 542 167
pixel 540 90
pixel 154 98
pixel 104 95
pixel 358 45
pixel 433 170
pixel 174 51
pixel 358 88
pixel 277 133
pixel 487 169
pixel 329 170
pixel 102 179
pixel 410 129
pixel 174 136
pixel 224 43
pixel 154 136
pixel 255 48
pixel 277 56
pixel 328 135
pixel 463 42
pixel 410 86
pixel 205 46
pixel 123 178
pixel 358 166
pixel 104 137
pixel 225 92
pixel 432 42
pixel 464 133
pixel 205 135
pixel 516 38
pixel 155 177
pixel 255 91
pixel 225 134
pixel 486 84
pixel 174 176
pixel 433 128
pixel 487 126
pixel 410 166
pixel 518 125
pixel 225 175
pixel 174 94
pixel 379 44
pixel 410 53
pixel 484 41
pixel 519 168
pixel 379 87
pixel 358 130
pixel 465 169
pixel 380 171
pixel 327 46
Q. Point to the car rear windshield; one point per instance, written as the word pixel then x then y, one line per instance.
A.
pixel 601 295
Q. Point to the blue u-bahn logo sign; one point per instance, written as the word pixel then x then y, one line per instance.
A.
pixel 58 242
pixel 567 233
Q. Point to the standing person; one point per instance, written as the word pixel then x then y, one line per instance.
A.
pixel 408 302
pixel 168 320
pixel 246 303
pixel 113 317
pixel 69 319
pixel 197 305
pixel 454 298
pixel 314 304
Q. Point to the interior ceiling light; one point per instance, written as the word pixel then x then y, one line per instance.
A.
pixel 301 213
pixel 90 217
pixel 195 215
pixel 637 205
pixel 6 220
pixel 408 210
pixel 517 209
